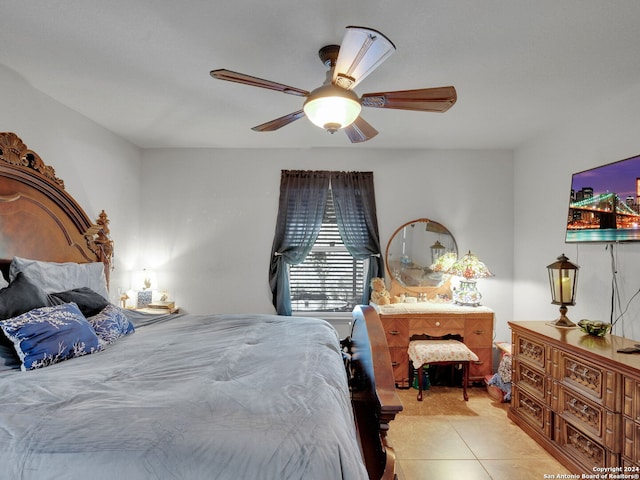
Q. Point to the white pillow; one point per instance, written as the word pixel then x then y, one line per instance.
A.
pixel 53 277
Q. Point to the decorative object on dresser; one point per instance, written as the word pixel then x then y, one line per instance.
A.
pixel 563 279
pixel 469 269
pixel 577 396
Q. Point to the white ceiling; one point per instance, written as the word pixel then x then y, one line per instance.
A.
pixel 140 68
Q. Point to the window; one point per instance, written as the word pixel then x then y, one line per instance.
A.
pixel 329 279
pixel 311 201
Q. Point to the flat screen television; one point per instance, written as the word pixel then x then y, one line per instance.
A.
pixel 604 203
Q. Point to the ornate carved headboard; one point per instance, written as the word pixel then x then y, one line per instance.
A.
pixel 39 219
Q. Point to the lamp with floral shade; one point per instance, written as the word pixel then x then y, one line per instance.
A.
pixel 469 269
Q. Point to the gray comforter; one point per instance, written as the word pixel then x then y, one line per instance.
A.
pixel 187 397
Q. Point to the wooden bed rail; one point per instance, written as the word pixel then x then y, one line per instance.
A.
pixel 373 392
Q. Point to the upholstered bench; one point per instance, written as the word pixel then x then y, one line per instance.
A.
pixel 441 352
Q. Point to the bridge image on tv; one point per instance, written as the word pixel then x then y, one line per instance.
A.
pixel 605 203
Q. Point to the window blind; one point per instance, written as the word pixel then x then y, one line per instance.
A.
pixel 329 279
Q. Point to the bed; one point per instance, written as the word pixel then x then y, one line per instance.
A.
pixel 139 396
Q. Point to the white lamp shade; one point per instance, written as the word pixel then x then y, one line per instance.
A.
pixel 144 280
pixel 332 108
pixel 361 51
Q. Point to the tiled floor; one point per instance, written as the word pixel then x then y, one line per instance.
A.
pixel 445 438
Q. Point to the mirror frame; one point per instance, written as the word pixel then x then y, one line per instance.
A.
pixel 443 290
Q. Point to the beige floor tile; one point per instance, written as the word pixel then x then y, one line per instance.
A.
pixel 444 470
pixel 490 438
pixel 524 468
pixel 443 438
pixel 423 438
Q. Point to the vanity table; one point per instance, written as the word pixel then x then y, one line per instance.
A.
pixel 401 321
pixel 415 270
pixel 416 261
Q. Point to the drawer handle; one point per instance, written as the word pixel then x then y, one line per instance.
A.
pixel 437 324
pixel 394 332
pixel 478 332
pixel 394 364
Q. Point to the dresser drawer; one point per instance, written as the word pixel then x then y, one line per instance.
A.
pixel 631 400
pixel 631 440
pixel 531 379
pixel 530 351
pixel 583 448
pixel 593 380
pixel 588 416
pixel 532 410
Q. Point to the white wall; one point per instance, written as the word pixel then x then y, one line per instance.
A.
pixel 100 170
pixel 204 218
pixel 210 215
pixel 604 132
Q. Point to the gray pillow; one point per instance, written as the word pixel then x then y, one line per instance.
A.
pixel 59 277
pixel 21 296
pixel 89 302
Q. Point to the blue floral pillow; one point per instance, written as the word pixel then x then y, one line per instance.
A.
pixel 111 324
pixel 49 335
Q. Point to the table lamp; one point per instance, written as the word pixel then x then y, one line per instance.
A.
pixel 563 278
pixel 469 268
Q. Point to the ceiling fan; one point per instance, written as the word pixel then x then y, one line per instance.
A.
pixel 334 105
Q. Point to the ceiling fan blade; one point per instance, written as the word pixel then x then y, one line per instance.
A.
pixel 439 99
pixel 360 131
pixel 230 76
pixel 279 122
pixel 361 51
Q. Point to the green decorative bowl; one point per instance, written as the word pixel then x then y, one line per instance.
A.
pixel 594 327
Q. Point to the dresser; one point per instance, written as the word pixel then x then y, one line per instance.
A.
pixel 577 397
pixel 403 320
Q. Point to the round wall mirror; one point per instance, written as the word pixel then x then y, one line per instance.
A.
pixel 417 254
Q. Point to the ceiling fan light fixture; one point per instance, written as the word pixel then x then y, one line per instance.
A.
pixel 332 108
pixel 362 50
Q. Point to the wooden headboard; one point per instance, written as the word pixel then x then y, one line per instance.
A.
pixel 39 219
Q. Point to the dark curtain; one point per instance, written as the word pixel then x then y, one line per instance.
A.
pixel 355 204
pixel 303 196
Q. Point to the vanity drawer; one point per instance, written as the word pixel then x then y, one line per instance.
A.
pixel 438 326
pixel 483 367
pixel 400 365
pixel 397 332
pixel 478 331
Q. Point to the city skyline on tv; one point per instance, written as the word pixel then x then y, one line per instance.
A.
pixel 618 177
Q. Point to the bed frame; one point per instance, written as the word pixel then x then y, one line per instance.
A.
pixel 41 221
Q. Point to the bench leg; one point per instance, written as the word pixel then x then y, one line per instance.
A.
pixel 465 380
pixel 420 375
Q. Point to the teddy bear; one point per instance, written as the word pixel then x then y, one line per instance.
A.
pixel 379 293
